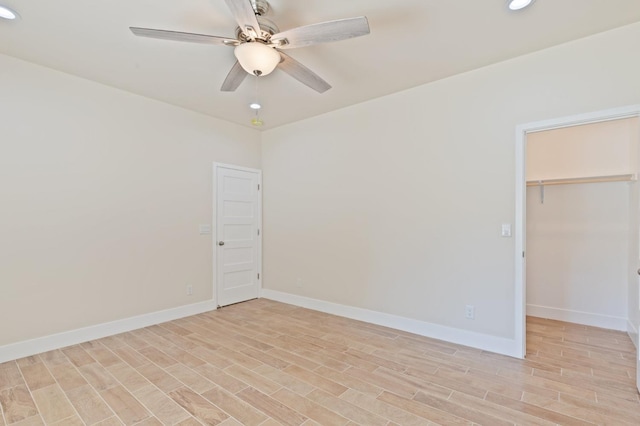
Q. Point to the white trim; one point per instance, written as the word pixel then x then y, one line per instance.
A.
pixel 520 220
pixel 520 291
pixel 580 119
pixel 234 167
pixel 56 341
pixel 578 317
pixel 214 224
pixel 454 335
pixel 632 331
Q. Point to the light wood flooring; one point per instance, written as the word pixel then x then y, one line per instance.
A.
pixel 266 363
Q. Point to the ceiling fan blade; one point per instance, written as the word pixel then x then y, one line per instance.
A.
pixel 323 32
pixel 303 74
pixel 180 36
pixel 235 77
pixel 245 16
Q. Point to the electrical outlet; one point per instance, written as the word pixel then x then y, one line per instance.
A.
pixel 469 312
pixel 189 290
pixel 299 283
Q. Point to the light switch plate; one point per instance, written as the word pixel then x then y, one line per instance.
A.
pixel 506 230
pixel 205 229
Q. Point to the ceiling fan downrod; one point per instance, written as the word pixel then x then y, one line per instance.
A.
pixel 261 7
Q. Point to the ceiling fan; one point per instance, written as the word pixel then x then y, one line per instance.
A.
pixel 259 44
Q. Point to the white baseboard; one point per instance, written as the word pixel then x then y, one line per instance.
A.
pixel 61 340
pixel 577 317
pixel 632 331
pixel 454 335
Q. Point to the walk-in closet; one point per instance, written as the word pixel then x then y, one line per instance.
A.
pixel 581 222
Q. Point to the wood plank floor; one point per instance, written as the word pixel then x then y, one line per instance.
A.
pixel 267 363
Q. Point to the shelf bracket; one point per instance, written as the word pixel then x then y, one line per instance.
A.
pixel 541 185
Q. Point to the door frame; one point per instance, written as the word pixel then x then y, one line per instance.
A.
pixel 214 236
pixel 522 130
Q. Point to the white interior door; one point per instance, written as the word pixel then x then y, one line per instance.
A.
pixel 238 241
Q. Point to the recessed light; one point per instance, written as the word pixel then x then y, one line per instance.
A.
pixel 519 4
pixel 255 106
pixel 7 13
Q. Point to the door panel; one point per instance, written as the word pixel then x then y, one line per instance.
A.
pixel 237 233
pixel 238 209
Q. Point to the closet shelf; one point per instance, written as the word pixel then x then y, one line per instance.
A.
pixel 587 179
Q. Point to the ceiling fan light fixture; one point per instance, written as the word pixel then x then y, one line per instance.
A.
pixel 7 13
pixel 257 58
pixel 519 4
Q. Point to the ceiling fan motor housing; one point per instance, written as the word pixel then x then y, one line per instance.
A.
pixel 267 29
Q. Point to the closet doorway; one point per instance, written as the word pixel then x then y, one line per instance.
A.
pixel 577 226
pixel 578 222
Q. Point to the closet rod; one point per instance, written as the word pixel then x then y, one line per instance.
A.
pixel 590 179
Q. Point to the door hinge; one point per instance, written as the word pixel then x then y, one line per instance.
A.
pixel 258 187
pixel 258 276
pixel 523 255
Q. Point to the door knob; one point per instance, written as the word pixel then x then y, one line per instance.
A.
pixel 638 271
pixel 221 243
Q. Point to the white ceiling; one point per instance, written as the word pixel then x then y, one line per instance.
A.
pixel 412 42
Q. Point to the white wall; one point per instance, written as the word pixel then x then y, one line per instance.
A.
pixel 395 205
pixel 598 149
pixel 577 253
pixel 101 196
